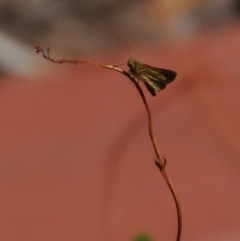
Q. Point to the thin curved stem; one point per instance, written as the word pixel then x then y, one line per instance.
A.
pixel 177 203
pixel 160 160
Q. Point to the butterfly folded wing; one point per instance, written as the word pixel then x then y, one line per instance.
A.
pixel 156 79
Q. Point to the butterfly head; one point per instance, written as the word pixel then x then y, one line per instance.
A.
pixel 131 64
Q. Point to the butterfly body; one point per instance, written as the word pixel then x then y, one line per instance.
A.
pixel 155 79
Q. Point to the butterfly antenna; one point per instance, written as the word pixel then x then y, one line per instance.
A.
pixel 128 49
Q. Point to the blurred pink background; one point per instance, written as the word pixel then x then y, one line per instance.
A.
pixel 76 161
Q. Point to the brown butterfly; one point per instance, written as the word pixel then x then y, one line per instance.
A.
pixel 155 79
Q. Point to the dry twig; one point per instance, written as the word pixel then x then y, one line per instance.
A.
pixel 160 160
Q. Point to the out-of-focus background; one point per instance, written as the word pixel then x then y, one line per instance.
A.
pixel 76 161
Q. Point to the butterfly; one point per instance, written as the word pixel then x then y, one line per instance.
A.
pixel 155 79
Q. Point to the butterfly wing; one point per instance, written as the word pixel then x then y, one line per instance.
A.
pixel 155 79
